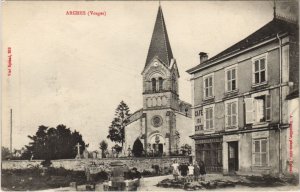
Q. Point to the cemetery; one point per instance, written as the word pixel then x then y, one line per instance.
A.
pixel 85 169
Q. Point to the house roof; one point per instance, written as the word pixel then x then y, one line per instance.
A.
pixel 160 44
pixel 268 31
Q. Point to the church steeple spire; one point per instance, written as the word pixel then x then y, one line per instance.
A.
pixel 160 45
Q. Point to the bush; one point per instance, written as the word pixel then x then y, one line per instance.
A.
pixel 58 171
pixel 156 169
pixel 31 179
pixel 101 176
pixel 46 163
pixel 138 148
pixel 167 170
pixel 291 179
pixel 146 173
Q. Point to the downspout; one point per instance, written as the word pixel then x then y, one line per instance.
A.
pixel 146 135
pixel 280 102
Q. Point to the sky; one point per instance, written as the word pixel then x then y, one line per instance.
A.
pixel 75 69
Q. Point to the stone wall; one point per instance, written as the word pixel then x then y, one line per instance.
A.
pixel 74 164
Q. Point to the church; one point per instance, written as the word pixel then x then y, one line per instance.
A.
pixel 164 123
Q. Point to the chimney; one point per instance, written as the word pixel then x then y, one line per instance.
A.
pixel 203 57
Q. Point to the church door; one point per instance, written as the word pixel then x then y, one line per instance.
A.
pixel 160 148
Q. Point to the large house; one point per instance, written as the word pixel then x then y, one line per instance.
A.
pixel 164 123
pixel 246 103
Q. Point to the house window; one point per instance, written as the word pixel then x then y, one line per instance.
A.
pixel 211 154
pixel 153 80
pixel 160 82
pixel 258 109
pixel 259 70
pixel 208 86
pixel 231 80
pixel 209 118
pixel 260 152
pixel 231 114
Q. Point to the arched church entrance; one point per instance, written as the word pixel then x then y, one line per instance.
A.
pixel 157 143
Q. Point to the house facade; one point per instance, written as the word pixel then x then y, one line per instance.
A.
pixel 241 113
pixel 164 123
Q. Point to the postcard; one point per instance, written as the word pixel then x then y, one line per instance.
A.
pixel 150 95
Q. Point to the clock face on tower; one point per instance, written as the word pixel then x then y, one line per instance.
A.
pixel 157 121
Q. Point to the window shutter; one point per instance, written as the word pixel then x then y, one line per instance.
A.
pixel 249 110
pixel 234 114
pixel 253 76
pixel 268 107
pixel 204 119
pixel 226 115
pixel 212 118
pixel 253 154
pixel 204 88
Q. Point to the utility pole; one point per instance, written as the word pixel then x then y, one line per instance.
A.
pixel 274 9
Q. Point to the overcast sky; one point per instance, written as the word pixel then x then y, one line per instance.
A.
pixel 74 70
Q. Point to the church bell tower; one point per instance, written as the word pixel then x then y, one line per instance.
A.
pixel 160 91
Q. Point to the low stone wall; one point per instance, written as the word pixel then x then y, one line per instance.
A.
pixel 79 164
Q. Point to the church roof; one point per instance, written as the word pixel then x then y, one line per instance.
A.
pixel 268 31
pixel 160 44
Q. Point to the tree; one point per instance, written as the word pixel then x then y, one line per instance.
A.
pixel 103 146
pixel 117 148
pixel 116 131
pixel 5 153
pixel 137 148
pixel 186 149
pixel 53 143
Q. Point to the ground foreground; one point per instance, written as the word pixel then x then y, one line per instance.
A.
pixel 150 184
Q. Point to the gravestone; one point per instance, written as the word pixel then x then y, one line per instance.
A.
pixel 95 153
pixel 85 154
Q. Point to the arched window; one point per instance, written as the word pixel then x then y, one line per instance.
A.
pixel 160 80
pixel 153 84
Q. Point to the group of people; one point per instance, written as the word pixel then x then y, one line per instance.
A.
pixel 190 172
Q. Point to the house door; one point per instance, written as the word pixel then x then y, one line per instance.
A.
pixel 233 156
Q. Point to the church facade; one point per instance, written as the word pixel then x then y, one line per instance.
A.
pixel 164 123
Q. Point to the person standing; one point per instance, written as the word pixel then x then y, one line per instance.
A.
pixel 87 173
pixel 184 170
pixel 196 171
pixel 175 166
pixel 202 171
pixel 191 173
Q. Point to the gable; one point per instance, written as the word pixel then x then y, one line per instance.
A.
pixel 156 66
